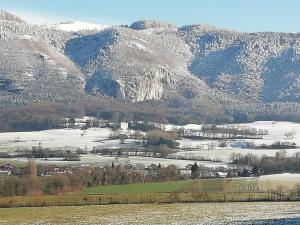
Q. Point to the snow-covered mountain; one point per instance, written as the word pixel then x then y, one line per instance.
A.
pixel 203 68
pixel 10 17
pixel 77 26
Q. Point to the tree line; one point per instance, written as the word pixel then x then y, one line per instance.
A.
pixel 269 164
pixel 31 184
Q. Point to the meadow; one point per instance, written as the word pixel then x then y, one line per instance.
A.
pixel 153 187
pixel 188 186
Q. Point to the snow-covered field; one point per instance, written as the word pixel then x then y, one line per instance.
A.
pixel 209 150
pixel 170 214
pixel 206 148
pixel 276 131
pixel 58 138
pixel 284 180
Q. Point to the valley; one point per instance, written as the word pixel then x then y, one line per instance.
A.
pixel 148 122
pixel 193 149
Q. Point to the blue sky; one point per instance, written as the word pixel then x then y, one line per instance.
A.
pixel 241 15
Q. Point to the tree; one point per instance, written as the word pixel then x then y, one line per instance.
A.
pixel 32 168
pixel 71 122
pixel 88 124
pixel 256 170
pixel 290 134
pixel 165 150
pixel 159 137
pixel 123 137
pixel 195 170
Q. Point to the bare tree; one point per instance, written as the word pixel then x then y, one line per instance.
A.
pixel 32 168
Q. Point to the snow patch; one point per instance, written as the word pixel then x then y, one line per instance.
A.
pixel 282 177
pixel 138 46
pixel 27 37
pixel 77 26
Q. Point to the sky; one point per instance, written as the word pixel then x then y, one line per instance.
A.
pixel 240 15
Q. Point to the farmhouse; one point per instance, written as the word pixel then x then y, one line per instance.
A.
pixel 124 125
pixel 153 170
pixel 221 174
pixel 7 169
pixel 55 170
pixel 187 170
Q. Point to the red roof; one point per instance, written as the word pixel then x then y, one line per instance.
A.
pixel 8 166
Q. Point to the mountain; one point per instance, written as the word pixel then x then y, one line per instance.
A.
pixel 200 68
pixel 32 68
pixel 10 17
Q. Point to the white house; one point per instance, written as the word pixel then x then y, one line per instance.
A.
pixel 124 125
pixel 221 174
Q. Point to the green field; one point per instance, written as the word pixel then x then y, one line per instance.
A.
pixel 156 187
pixel 188 186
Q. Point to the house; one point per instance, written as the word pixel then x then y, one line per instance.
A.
pixel 55 170
pixel 5 173
pixel 153 170
pixel 124 125
pixel 189 166
pixel 129 166
pixel 7 169
pixel 187 170
pixel 221 174
pixel 246 173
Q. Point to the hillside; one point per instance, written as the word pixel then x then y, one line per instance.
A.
pixel 202 69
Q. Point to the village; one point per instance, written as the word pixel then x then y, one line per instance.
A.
pixel 133 140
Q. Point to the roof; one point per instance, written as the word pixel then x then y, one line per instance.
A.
pixel 8 166
pixel 222 173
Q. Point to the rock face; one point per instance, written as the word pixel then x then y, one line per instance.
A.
pixel 135 65
pixel 202 66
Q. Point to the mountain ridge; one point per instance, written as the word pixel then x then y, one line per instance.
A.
pixel 198 66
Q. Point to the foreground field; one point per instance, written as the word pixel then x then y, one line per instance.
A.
pixel 202 213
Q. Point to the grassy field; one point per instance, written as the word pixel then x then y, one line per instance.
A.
pixel 157 187
pixel 188 186
pixel 184 214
